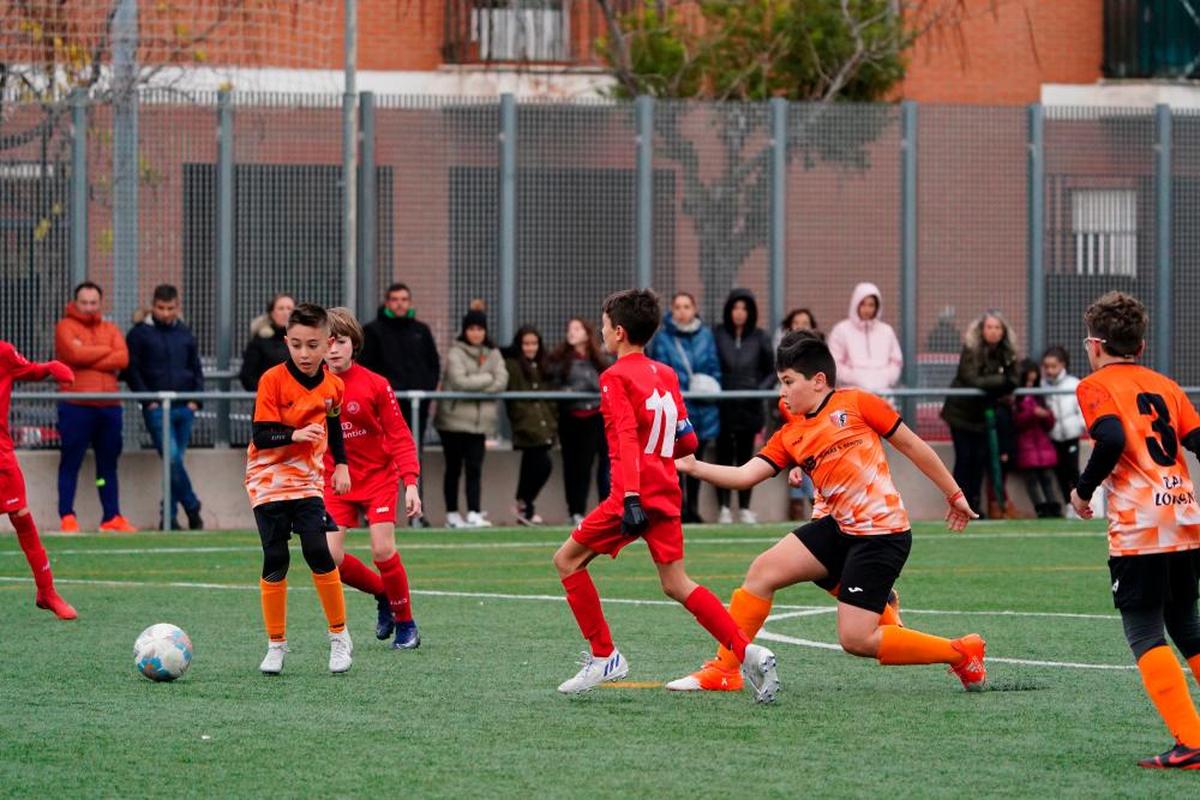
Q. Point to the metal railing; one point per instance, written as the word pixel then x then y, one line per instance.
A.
pixel 415 398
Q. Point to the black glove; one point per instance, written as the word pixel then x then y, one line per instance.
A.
pixel 633 521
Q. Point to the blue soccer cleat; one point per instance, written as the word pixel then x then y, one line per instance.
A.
pixel 386 622
pixel 407 636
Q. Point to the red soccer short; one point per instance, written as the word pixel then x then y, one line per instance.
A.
pixel 600 532
pixel 377 502
pixel 12 486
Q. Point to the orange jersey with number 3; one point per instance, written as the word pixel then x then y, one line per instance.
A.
pixel 1151 500
pixel 840 446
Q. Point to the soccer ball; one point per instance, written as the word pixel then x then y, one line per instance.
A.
pixel 162 652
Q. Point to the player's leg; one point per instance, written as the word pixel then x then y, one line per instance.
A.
pixel 308 521
pixel 393 577
pixel 353 572
pixel 1183 626
pixel 31 545
pixel 274 530
pixel 599 532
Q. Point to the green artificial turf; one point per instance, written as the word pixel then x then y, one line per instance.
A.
pixel 474 712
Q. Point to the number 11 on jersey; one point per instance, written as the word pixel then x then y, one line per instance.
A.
pixel 666 419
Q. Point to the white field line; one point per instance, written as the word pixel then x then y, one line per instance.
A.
pixel 798 611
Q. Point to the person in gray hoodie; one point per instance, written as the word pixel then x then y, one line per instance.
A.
pixel 473 364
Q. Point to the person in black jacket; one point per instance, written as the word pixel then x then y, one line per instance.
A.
pixel 163 357
pixel 534 423
pixel 400 347
pixel 267 346
pixel 747 362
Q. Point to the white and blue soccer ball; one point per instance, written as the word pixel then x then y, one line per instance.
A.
pixel 162 652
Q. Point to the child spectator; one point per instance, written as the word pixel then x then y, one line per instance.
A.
pixel 1068 419
pixel 1036 457
pixel 534 422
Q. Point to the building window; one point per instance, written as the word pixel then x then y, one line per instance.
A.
pixel 520 30
pixel 1104 227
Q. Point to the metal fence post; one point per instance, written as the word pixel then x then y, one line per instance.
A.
pixel 1163 274
pixel 644 112
pixel 367 206
pixel 168 504
pixel 1036 220
pixel 908 250
pixel 79 187
pixel 508 217
pixel 125 162
pixel 778 249
pixel 224 265
pixel 350 156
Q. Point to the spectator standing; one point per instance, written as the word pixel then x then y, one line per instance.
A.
pixel 1068 420
pixel 864 347
pixel 96 351
pixel 400 347
pixel 988 362
pixel 688 346
pixel 747 362
pixel 534 422
pixel 800 486
pixel 472 365
pixel 163 356
pixel 1036 457
pixel 267 346
pixel 575 365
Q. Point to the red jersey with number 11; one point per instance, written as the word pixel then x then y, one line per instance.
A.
pixel 643 410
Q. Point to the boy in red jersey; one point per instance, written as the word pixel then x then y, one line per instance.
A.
pixel 647 426
pixel 15 367
pixel 836 436
pixel 382 454
pixel 295 418
pixel 1137 419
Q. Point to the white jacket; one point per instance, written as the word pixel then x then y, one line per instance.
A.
pixel 1068 418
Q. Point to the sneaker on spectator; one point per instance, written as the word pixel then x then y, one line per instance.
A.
pixel 747 517
pixel 419 522
pixel 478 519
pixel 724 516
pixel 69 524
pixel 576 519
pixel 455 520
pixel 117 524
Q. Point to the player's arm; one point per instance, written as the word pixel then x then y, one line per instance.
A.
pixel 1189 424
pixel 752 473
pixel 337 448
pixel 686 440
pixel 22 369
pixel 268 430
pixel 923 457
pixel 1103 418
pixel 397 438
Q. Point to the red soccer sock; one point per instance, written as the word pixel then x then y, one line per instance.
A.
pixel 709 612
pixel 358 575
pixel 584 601
pixel 395 586
pixel 35 554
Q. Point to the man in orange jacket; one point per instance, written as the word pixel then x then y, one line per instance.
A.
pixel 95 349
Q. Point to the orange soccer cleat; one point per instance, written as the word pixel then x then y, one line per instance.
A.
pixel 117 524
pixel 971 670
pixel 69 524
pixel 712 677
pixel 51 601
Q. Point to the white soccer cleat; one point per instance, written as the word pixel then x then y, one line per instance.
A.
pixel 455 520
pixel 724 516
pixel 758 668
pixel 340 649
pixel 748 517
pixel 595 671
pixel 272 663
pixel 477 519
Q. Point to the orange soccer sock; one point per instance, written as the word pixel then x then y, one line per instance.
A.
pixel 1167 687
pixel 329 589
pixel 274 608
pixel 906 646
pixel 749 611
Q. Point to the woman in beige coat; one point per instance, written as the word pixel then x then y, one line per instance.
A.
pixel 473 364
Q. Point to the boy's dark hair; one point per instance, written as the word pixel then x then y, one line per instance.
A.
pixel 1060 353
pixel 310 315
pixel 87 285
pixel 1119 320
pixel 398 287
pixel 635 310
pixel 165 293
pixel 806 353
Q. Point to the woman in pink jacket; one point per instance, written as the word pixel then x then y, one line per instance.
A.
pixel 865 347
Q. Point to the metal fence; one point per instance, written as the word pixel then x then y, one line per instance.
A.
pixel 542 208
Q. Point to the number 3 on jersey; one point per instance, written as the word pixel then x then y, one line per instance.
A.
pixel 662 430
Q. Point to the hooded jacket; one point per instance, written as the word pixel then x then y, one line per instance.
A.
pixel 1034 448
pixel 1068 418
pixel 866 351
pixel 94 348
pixel 747 362
pixel 471 368
pixel 266 348
pixel 695 343
pixel 402 350
pixel 163 357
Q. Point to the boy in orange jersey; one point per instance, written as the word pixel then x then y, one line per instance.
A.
pixel 862 543
pixel 15 367
pixel 1137 419
pixel 297 402
pixel 381 455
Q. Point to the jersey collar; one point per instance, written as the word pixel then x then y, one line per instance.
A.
pixel 815 411
pixel 309 382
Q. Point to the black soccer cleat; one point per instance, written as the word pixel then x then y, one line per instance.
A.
pixel 1178 757
pixel 386 622
pixel 407 636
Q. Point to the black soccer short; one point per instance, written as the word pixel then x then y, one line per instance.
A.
pixel 1155 580
pixel 276 521
pixel 865 566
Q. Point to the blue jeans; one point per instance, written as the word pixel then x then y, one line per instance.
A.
pixel 182 418
pixel 98 427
